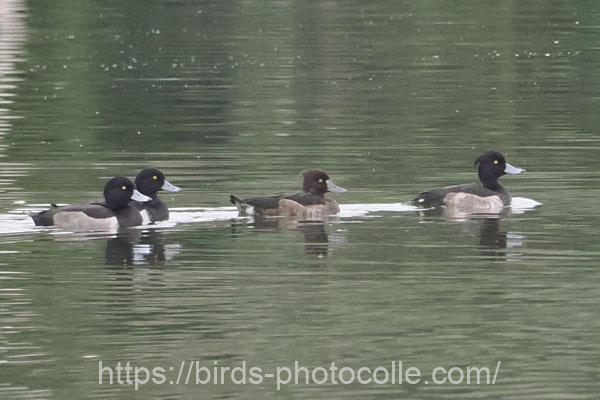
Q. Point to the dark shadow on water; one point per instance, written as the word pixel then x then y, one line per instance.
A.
pixel 494 240
pixel 136 247
pixel 491 235
pixel 315 233
pixel 316 240
pixel 119 251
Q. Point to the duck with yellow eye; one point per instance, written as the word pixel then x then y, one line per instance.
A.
pixel 310 203
pixel 485 196
pixel 116 211
pixel 149 182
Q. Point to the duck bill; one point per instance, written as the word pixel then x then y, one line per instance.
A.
pixel 332 187
pixel 137 196
pixel 169 187
pixel 509 169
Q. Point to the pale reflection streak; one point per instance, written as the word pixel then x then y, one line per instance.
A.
pixel 15 299
pixel 13 33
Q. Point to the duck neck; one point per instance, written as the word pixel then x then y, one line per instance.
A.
pixel 489 180
pixel 150 193
pixel 316 192
pixel 308 188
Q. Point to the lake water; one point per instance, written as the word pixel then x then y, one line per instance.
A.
pixel 390 98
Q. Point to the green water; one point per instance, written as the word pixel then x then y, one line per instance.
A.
pixel 390 98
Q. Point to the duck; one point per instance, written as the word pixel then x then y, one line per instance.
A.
pixel 116 211
pixel 310 203
pixel 487 195
pixel 149 182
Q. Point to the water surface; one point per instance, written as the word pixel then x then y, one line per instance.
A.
pixel 241 96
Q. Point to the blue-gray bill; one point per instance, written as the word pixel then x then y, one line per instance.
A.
pixel 169 187
pixel 137 196
pixel 332 187
pixel 509 169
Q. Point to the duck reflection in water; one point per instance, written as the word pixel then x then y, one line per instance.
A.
pixel 493 237
pixel 317 240
pixel 136 247
pixel 490 234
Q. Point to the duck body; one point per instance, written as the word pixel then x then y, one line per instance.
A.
pixel 448 194
pixel 297 204
pixel 89 217
pixel 309 203
pixel 154 210
pixel 487 195
pixel 115 212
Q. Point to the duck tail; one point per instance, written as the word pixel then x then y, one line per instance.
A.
pixel 239 203
pixel 426 200
pixel 44 218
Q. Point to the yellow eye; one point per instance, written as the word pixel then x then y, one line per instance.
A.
pixel 123 187
pixel 154 177
pixel 496 162
pixel 321 180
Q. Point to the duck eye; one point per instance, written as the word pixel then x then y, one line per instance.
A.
pixel 321 180
pixel 496 162
pixel 123 188
pixel 155 178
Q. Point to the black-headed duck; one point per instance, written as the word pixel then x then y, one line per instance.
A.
pixel 149 182
pixel 115 212
pixel 487 195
